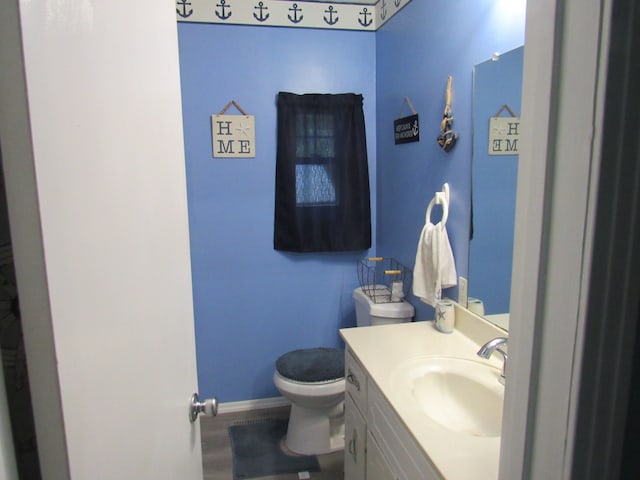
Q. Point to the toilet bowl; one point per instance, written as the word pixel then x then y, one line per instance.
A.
pixel 313 381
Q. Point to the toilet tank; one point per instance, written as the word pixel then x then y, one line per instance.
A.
pixel 370 313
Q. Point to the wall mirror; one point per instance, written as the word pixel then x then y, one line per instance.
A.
pixel 497 89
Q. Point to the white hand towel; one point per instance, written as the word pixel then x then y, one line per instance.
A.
pixel 435 267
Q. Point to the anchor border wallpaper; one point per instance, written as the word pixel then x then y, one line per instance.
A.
pixel 279 13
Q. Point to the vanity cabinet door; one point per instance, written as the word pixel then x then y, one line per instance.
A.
pixel 355 436
pixel 406 459
pixel 377 466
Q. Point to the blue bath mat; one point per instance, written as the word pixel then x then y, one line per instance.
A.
pixel 257 451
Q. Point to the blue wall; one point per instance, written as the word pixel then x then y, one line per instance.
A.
pixel 252 303
pixel 415 52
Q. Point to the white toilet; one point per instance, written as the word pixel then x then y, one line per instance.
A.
pixel 313 380
pixel 370 313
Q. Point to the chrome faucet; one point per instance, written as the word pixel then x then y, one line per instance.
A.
pixel 494 346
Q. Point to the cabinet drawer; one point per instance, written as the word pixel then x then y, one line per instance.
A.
pixel 356 381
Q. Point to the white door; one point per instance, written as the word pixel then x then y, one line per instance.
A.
pixel 92 147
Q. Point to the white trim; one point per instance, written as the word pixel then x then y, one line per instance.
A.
pixel 257 404
pixel 562 95
pixel 611 328
pixel 8 466
pixel 18 163
pixel 537 84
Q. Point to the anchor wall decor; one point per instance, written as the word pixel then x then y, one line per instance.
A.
pixel 277 13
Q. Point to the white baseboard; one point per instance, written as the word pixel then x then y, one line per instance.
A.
pixel 245 405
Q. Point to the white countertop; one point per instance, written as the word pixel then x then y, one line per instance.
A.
pixel 379 349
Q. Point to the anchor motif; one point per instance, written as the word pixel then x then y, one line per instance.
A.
pixel 383 10
pixel 364 22
pixel 261 8
pixel 184 13
pixel 330 20
pixel 295 11
pixel 223 5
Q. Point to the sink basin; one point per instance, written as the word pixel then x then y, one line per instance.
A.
pixel 459 394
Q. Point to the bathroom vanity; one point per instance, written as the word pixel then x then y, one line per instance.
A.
pixel 421 404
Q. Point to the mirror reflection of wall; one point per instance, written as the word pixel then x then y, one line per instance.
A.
pixel 496 82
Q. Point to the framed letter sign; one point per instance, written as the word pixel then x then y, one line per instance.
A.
pixel 504 134
pixel 233 136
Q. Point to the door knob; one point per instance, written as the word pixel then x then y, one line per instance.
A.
pixel 209 407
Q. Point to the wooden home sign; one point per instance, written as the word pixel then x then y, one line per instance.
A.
pixel 504 133
pixel 233 136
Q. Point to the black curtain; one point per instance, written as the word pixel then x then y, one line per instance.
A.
pixel 322 174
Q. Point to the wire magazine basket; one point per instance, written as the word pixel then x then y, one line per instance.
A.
pixel 384 280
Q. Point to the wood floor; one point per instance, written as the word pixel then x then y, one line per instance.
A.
pixel 216 448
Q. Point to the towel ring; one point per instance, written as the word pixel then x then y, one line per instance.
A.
pixel 440 198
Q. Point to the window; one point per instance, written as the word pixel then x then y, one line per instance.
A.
pixel 315 153
pixel 322 176
pixel 314 185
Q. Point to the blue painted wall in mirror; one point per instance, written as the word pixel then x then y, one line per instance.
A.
pixel 494 178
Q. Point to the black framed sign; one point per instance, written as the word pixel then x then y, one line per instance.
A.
pixel 406 129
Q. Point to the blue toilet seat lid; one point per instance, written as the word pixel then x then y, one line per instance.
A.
pixel 312 364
